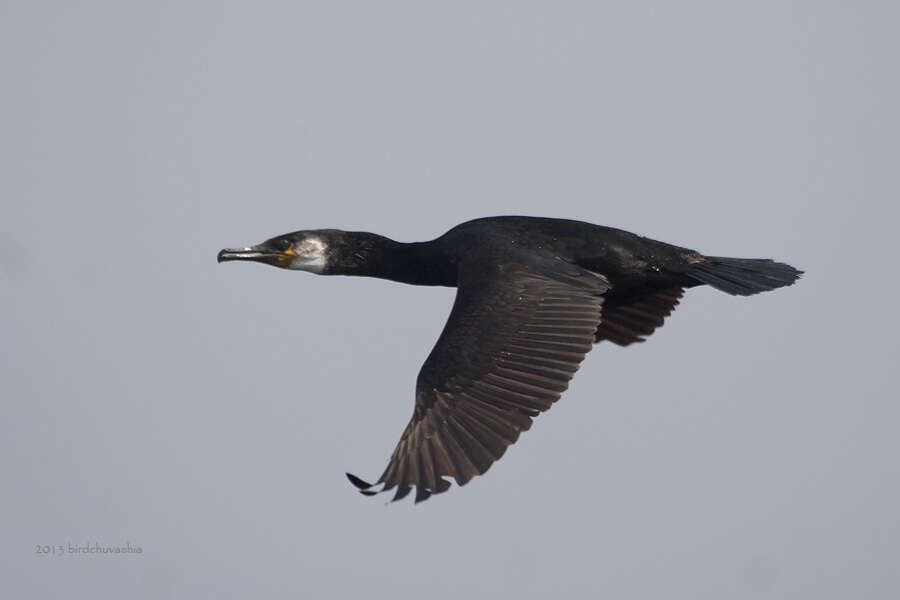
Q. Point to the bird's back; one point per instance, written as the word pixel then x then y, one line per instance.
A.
pixel 625 258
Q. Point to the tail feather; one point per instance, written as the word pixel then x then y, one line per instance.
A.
pixel 744 276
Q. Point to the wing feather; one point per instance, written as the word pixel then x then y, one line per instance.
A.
pixel 630 320
pixel 514 339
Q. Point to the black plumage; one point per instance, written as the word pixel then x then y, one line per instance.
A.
pixel 533 296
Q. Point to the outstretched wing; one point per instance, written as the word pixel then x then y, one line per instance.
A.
pixel 515 337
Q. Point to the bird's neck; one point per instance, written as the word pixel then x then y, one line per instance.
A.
pixel 418 263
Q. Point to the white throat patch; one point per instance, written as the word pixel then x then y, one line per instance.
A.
pixel 311 255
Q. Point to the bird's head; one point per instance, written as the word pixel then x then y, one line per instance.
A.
pixel 300 250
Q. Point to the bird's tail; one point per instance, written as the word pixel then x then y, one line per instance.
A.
pixel 743 276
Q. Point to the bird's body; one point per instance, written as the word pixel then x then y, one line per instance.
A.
pixel 533 295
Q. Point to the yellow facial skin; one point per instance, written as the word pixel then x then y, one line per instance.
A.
pixel 286 257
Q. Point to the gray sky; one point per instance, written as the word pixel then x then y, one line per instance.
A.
pixel 207 413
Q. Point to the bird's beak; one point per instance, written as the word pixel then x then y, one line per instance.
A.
pixel 254 253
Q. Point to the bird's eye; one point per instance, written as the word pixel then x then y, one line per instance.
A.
pixel 284 245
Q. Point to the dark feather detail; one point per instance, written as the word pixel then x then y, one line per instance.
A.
pixel 363 485
pixel 743 276
pixel 402 492
pixel 512 343
pixel 631 319
pixel 422 494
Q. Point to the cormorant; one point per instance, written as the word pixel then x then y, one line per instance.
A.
pixel 533 296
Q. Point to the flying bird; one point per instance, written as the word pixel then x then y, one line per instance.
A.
pixel 533 296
